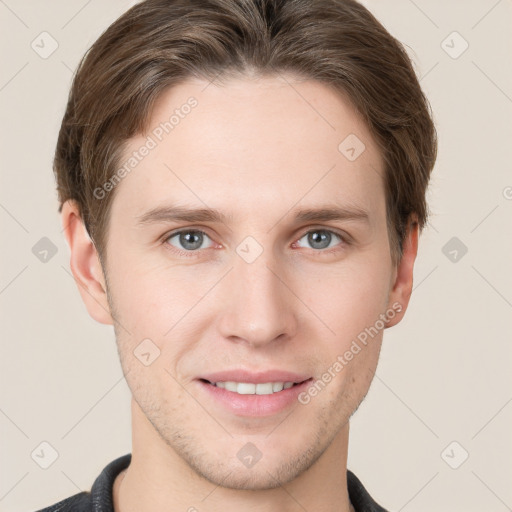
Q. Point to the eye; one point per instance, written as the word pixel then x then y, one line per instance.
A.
pixel 187 240
pixel 321 238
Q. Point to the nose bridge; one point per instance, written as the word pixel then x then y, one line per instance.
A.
pixel 259 306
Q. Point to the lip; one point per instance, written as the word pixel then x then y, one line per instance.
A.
pixel 255 377
pixel 253 405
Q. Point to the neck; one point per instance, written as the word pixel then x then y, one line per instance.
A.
pixel 159 479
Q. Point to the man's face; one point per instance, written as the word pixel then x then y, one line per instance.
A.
pixel 259 291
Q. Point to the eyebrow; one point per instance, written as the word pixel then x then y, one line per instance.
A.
pixel 184 214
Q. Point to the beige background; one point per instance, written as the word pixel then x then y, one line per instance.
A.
pixel 445 371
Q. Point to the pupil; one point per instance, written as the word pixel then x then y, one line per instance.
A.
pixel 186 239
pixel 324 239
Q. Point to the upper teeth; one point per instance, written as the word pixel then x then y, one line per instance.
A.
pixel 248 388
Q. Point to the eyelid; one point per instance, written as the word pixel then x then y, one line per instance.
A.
pixel 342 234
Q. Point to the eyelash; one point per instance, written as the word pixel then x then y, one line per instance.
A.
pixel 344 241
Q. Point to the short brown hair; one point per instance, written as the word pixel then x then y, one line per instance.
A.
pixel 159 43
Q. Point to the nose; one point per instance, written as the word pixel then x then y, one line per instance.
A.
pixel 257 303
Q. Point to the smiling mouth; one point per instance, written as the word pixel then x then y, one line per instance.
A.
pixel 250 388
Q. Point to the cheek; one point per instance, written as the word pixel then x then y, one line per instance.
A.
pixel 147 294
pixel 350 303
pixel 161 304
pixel 347 300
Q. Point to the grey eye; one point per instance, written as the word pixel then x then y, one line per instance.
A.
pixel 320 238
pixel 189 240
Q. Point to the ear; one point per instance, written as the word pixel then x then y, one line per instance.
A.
pixel 403 275
pixel 85 264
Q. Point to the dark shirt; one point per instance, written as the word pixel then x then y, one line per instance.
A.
pixel 99 499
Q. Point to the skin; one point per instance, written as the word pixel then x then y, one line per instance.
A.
pixel 253 148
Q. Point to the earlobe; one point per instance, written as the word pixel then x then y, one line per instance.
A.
pixel 402 286
pixel 85 264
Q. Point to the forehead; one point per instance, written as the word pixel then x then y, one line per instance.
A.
pixel 251 145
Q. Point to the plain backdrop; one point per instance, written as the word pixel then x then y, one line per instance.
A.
pixel 434 432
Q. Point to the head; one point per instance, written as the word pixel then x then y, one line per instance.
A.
pixel 258 113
